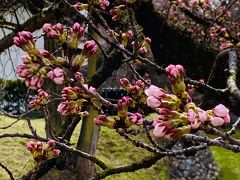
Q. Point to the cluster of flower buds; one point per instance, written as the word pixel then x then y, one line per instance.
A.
pixel 174 124
pixel 30 69
pixel 136 91
pixel 159 98
pixel 135 118
pixel 144 49
pixel 32 72
pixel 173 120
pixel 25 41
pixel 48 59
pixel 57 75
pixel 170 124
pixel 123 105
pixel 56 32
pixel 42 98
pixel 217 116
pixel 117 12
pixel 42 152
pixel 175 74
pixel 36 65
pixel 126 37
pixel 204 4
pixel 76 32
pixel 214 31
pixel 125 120
pixel 89 49
pixel 74 99
pixel 34 82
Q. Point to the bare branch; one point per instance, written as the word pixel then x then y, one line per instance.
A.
pixel 7 170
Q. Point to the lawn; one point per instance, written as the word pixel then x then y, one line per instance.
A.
pixel 110 149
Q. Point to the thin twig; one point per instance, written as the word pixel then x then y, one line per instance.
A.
pixel 7 170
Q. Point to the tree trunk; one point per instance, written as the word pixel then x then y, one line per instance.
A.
pixel 88 138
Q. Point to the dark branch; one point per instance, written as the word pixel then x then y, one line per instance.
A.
pixel 7 170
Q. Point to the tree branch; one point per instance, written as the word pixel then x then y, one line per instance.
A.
pixel 32 24
pixel 7 170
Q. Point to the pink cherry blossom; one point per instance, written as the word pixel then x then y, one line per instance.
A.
pixel 155 91
pixel 153 102
pixel 227 119
pixel 220 110
pixel 217 121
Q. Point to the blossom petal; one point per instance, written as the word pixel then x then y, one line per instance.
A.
pixel 153 102
pixel 217 121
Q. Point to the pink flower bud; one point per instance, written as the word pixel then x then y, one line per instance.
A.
pixel 124 82
pixel 26 59
pixel 100 120
pixel 136 118
pixel 26 35
pixel 57 75
pixel 129 34
pixel 38 146
pixel 175 71
pixel 58 28
pixel 159 130
pixel 143 50
pixel 140 84
pixel 90 48
pixel 55 153
pixel 104 3
pixel 47 27
pixel 78 29
pixel 51 143
pixel 148 40
pixel 17 41
pixel 31 146
pixel 64 108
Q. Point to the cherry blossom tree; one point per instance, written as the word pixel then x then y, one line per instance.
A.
pixel 111 32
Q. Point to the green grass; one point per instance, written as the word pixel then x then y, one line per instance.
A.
pixel 228 161
pixel 112 149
